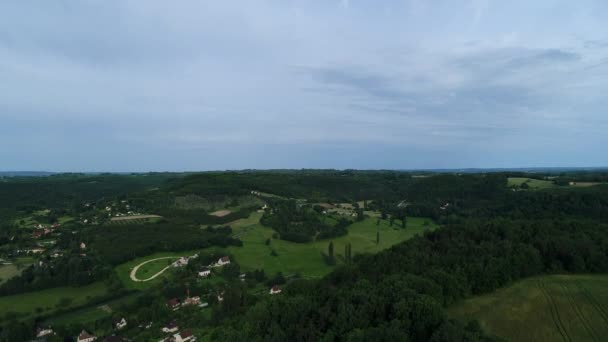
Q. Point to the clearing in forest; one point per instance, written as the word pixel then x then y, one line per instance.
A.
pixel 532 183
pixel 306 258
pixel 547 308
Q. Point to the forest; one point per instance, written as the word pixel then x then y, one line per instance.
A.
pixel 491 235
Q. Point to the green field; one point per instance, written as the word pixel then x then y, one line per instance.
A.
pixel 8 271
pixel 91 313
pixel 14 269
pixel 46 301
pixel 532 183
pixel 306 258
pixel 548 308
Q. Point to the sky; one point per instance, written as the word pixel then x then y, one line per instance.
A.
pixel 125 85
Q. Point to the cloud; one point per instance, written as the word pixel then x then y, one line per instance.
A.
pixel 237 78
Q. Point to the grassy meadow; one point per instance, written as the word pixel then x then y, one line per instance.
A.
pixel 8 271
pixel 291 257
pixel 91 313
pixel 532 183
pixel 547 308
pixel 306 258
pixel 47 301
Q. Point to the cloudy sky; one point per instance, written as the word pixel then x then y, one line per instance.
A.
pixel 196 85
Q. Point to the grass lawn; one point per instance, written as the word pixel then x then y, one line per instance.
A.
pixel 306 258
pixel 65 219
pixel 91 313
pixel 547 308
pixel 14 269
pixel 532 183
pixel 8 271
pixel 47 300
pixel 124 270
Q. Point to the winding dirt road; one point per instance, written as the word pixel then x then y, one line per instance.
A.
pixel 134 270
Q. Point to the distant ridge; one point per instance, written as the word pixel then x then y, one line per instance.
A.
pixel 25 173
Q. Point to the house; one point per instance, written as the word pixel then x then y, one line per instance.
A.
pixel 85 337
pixel 275 290
pixel 220 297
pixel 83 245
pixel 183 261
pixel 192 300
pixel 41 331
pixel 120 324
pixel 173 304
pixel 205 272
pixel 184 336
pixel 223 261
pixel 170 328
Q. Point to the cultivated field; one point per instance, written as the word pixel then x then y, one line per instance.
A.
pixel 47 301
pixel 549 308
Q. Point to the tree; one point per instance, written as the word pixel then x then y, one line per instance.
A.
pixel 330 250
pixel 377 237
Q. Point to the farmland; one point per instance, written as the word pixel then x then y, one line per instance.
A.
pixel 46 301
pixel 548 308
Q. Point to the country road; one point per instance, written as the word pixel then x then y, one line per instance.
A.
pixel 134 270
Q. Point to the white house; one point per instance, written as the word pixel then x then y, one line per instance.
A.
pixel 183 261
pixel 223 261
pixel 184 336
pixel 83 245
pixel 120 324
pixel 85 337
pixel 41 332
pixel 196 300
pixel 205 272
pixel 275 290
pixel 171 327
